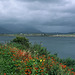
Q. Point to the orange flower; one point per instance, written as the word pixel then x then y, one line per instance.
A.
pixel 37 72
pixel 52 61
pixel 72 72
pixel 41 71
pixel 69 70
pixel 49 57
pixel 40 57
pixel 14 55
pixel 21 61
pixel 63 66
pixel 43 55
pixel 24 61
pixel 52 57
pixel 30 57
pixel 50 65
pixel 26 73
pixel 8 53
pixel 28 70
pixel 42 67
pixel 25 69
pixel 13 59
pixel 23 58
pixel 42 63
pixel 21 53
pixel 36 68
pixel 13 51
pixel 60 63
pixel 37 58
pixel 3 53
pixel 16 65
pixel 30 67
pixel 4 73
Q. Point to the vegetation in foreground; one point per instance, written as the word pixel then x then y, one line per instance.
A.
pixel 19 57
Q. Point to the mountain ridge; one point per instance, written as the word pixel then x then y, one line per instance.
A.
pixel 4 30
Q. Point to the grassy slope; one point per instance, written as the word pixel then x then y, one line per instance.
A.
pixel 16 59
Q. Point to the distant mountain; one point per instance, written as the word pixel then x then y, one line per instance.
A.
pixel 71 32
pixel 54 33
pixel 4 31
pixel 19 30
pixel 30 30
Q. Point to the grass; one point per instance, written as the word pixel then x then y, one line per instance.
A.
pixel 16 59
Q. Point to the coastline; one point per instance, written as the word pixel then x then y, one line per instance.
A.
pixel 41 35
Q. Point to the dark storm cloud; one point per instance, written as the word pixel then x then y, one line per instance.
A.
pixel 69 21
pixel 55 15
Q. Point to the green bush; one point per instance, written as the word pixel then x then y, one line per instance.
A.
pixel 68 61
pixel 39 49
pixel 22 41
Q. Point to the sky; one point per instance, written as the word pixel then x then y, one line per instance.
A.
pixel 44 15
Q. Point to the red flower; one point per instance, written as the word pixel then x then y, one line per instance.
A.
pixel 72 69
pixel 63 66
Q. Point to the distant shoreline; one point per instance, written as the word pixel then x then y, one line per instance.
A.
pixel 43 35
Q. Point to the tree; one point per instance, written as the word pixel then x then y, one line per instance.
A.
pixel 21 40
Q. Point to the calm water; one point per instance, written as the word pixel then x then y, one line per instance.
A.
pixel 63 46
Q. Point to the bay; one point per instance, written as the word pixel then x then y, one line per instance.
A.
pixel 63 46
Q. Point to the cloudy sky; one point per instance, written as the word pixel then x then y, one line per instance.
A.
pixel 44 15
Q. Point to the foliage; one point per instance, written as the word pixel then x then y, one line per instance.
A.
pixel 40 50
pixel 14 61
pixel 69 62
pixel 22 41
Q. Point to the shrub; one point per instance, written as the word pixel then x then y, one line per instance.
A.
pixel 22 41
pixel 39 49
